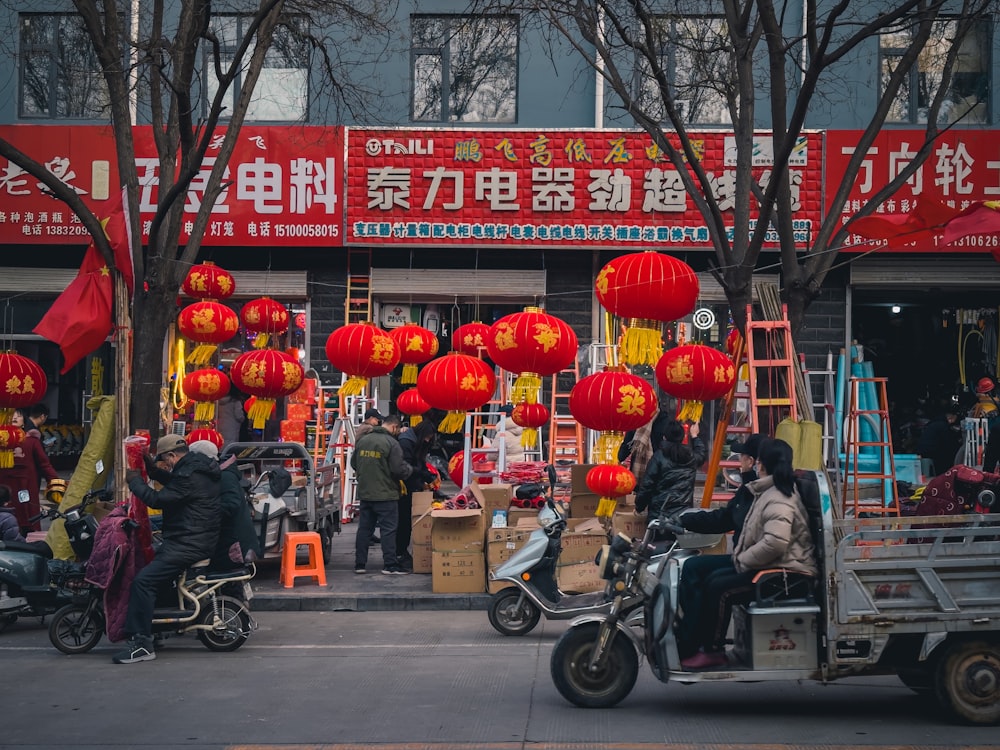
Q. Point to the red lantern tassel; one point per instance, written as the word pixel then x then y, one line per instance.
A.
pixel 452 422
pixel 529 437
pixel 526 387
pixel 642 343
pixel 415 420
pixel 204 411
pixel 201 354
pixel 606 507
pixel 606 450
pixel 354 386
pixel 260 411
pixel 691 410
pixel 260 340
pixel 409 374
pixel 6 459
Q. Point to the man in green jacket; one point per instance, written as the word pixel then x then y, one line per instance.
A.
pixel 379 467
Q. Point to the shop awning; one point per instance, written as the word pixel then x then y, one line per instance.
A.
pixel 938 272
pixel 427 285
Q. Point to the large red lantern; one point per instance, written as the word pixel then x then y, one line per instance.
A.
pixel 362 351
pixel 612 402
pixel 530 417
pixel 265 317
pixel 456 466
pixel 609 481
pixel 208 281
pixel 268 375
pixel 22 384
pixel 204 433
pixel 205 387
pixel 532 344
pixel 456 383
pixel 646 289
pixel 470 338
pixel 413 405
pixel 416 346
pixel 695 373
pixel 208 324
pixel 10 438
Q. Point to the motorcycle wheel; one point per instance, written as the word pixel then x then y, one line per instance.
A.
pixel 233 626
pixel 7 620
pixel 510 619
pixel 326 540
pixel 75 630
pixel 576 683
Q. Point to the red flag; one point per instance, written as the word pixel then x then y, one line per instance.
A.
pixel 982 217
pixel 80 318
pixel 926 220
pixel 116 229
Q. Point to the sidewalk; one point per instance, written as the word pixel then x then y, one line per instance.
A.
pixel 346 590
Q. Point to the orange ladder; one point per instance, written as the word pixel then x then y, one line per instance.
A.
pixel 566 435
pixel 876 416
pixel 358 302
pixel 726 430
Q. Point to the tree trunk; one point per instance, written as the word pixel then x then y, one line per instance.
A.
pixel 738 284
pixel 154 313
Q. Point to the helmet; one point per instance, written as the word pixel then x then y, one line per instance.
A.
pixel 54 490
pixel 985 385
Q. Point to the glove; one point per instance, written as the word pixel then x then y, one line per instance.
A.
pixel 132 474
pixel 149 461
pixel 427 477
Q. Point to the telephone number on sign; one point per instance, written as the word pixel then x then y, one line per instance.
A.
pixel 977 240
pixel 306 230
pixel 66 230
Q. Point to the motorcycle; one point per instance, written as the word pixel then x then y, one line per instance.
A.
pixel 32 584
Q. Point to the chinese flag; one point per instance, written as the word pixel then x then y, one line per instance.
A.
pixel 899 230
pixel 982 217
pixel 116 229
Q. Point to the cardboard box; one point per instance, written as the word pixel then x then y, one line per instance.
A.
pixel 493 496
pixel 582 540
pixel 583 504
pixel 628 523
pixel 458 530
pixel 580 578
pixel 301 412
pixel 422 558
pixel 501 544
pixel 578 479
pixel 515 516
pixel 458 572
pixel 421 521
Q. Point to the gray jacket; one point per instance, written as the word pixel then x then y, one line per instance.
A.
pixel 378 464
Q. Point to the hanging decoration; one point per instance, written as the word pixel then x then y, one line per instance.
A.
pixel 456 466
pixel 456 383
pixel 416 346
pixel 204 433
pixel 534 345
pixel 208 324
pixel 208 281
pixel 413 405
pixel 646 289
pixel 733 340
pixel 695 373
pixel 530 417
pixel 10 438
pixel 612 402
pixel 267 375
pixel 22 384
pixel 362 351
pixel 265 317
pixel 205 387
pixel 470 338
pixel 610 482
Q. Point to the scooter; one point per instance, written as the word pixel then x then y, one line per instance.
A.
pixel 32 584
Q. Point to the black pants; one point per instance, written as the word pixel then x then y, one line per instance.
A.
pixel 405 528
pixel 690 598
pixel 384 513
pixel 723 589
pixel 161 570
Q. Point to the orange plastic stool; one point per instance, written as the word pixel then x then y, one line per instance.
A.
pixel 313 569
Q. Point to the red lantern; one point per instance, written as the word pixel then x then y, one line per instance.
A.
pixel 413 405
pixel 208 324
pixel 470 338
pixel 268 375
pixel 22 384
pixel 647 289
pixel 609 481
pixel 362 350
pixel 203 433
pixel 695 373
pixel 456 466
pixel 612 402
pixel 205 387
pixel 208 281
pixel 10 438
pixel 456 383
pixel 530 417
pixel 532 344
pixel 416 346
pixel 265 317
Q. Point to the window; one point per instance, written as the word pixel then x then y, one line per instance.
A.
pixel 282 90
pixel 695 54
pixel 464 68
pixel 967 100
pixel 60 75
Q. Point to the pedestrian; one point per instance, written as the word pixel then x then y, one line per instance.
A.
pixel 639 446
pixel 415 443
pixel 229 417
pixel 940 441
pixel 668 484
pixel 372 418
pixel 377 460
pixel 24 478
pixel 10 529
pixel 189 501
pixel 512 448
pixel 38 415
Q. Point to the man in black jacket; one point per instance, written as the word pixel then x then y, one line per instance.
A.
pixel 190 504
pixel 416 444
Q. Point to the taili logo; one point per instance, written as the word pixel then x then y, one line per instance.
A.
pixel 391 147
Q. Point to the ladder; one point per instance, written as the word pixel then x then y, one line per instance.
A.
pixel 566 435
pixel 868 427
pixel 726 430
pixel 358 302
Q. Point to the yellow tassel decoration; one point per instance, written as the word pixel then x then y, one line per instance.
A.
pixel 354 386
pixel 260 411
pixel 415 420
pixel 642 343
pixel 6 459
pixel 204 411
pixel 6 415
pixel 691 410
pixel 409 376
pixel 452 422
pixel 260 340
pixel 606 450
pixel 606 507
pixel 525 388
pixel 529 437
pixel 201 354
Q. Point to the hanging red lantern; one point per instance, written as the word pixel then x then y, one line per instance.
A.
pixel 265 317
pixel 470 338
pixel 413 405
pixel 208 281
pixel 268 375
pixel 208 324
pixel 612 402
pixel 205 387
pixel 695 373
pixel 204 433
pixel 646 289
pixel 456 466
pixel 530 417
pixel 10 438
pixel 456 383
pixel 362 351
pixel 532 344
pixel 22 384
pixel 416 346
pixel 609 481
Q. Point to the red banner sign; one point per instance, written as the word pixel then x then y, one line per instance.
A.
pixel 285 185
pixel 546 188
pixel 963 167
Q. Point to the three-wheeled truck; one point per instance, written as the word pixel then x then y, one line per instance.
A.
pixel 286 503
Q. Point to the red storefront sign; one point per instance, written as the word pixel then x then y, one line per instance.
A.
pixel 285 190
pixel 546 188
pixel 963 167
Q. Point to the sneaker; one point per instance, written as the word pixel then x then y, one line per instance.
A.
pixel 705 660
pixel 359 571
pixel 138 648
pixel 374 540
pixel 395 570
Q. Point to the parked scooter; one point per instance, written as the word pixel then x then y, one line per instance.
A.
pixel 32 584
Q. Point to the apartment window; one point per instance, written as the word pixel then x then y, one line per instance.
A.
pixel 282 90
pixel 695 54
pixel 59 73
pixel 464 68
pixel 968 97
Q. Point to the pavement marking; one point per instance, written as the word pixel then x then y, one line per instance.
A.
pixel 526 745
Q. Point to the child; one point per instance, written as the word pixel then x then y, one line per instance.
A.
pixel 10 530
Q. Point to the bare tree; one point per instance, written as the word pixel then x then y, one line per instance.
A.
pixel 190 73
pixel 737 63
